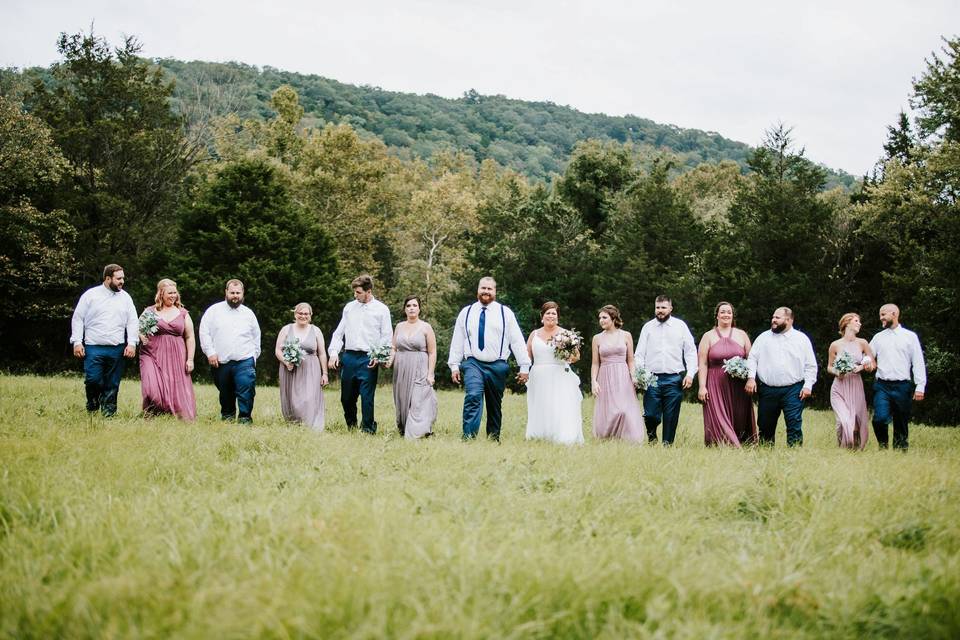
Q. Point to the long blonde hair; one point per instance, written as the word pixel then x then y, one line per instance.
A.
pixel 163 284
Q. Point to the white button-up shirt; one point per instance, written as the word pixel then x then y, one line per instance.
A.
pixel 501 336
pixel 666 347
pixel 362 327
pixel 782 359
pixel 230 334
pixel 102 316
pixel 898 350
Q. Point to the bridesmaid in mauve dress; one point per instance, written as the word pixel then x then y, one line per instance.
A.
pixel 846 394
pixel 301 388
pixel 414 360
pixel 728 417
pixel 616 412
pixel 166 357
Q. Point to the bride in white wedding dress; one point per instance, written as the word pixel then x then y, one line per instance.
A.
pixel 553 390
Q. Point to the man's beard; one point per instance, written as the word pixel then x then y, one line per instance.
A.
pixel 235 304
pixel 485 298
pixel 664 318
pixel 115 288
pixel 778 328
pixel 885 323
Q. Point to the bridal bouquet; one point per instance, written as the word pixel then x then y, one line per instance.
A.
pixel 148 322
pixel 380 354
pixel 736 367
pixel 565 344
pixel 292 351
pixel 643 379
pixel 844 363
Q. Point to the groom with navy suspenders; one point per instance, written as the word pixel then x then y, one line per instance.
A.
pixel 485 334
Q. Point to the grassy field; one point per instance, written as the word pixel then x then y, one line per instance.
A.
pixel 156 528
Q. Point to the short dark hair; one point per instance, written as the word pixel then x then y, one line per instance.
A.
pixel 664 298
pixel 111 269
pixel 614 314
pixel 549 304
pixel 363 281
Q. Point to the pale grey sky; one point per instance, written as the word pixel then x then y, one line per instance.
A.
pixel 837 72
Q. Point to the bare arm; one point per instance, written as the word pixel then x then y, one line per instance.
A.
pixel 190 341
pixel 595 366
pixel 702 368
pixel 530 345
pixel 868 351
pixel 831 356
pixel 431 354
pixel 747 345
pixel 628 340
pixel 322 354
pixel 278 349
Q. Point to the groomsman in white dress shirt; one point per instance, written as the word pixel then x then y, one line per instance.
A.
pixel 104 331
pixel 483 337
pixel 782 369
pixel 898 355
pixel 665 348
pixel 365 324
pixel 230 338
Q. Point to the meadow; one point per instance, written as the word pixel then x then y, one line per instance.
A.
pixel 153 528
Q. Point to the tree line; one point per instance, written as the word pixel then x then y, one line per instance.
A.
pixel 101 161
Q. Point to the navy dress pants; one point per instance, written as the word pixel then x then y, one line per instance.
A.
pixel 483 382
pixel 663 401
pixel 102 369
pixel 358 380
pixel 892 399
pixel 773 400
pixel 237 384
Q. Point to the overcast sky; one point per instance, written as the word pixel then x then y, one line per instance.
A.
pixel 837 72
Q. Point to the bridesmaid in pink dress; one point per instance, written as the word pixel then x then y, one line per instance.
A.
pixel 846 393
pixel 728 417
pixel 166 357
pixel 616 412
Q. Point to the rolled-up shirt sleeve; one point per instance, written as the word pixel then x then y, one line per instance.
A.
pixel 517 343
pixel 457 343
pixel 918 365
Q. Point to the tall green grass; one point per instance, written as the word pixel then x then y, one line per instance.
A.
pixel 154 528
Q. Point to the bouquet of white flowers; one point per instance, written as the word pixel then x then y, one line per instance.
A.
pixel 736 367
pixel 380 354
pixel 565 343
pixel 643 379
pixel 292 351
pixel 844 363
pixel 148 322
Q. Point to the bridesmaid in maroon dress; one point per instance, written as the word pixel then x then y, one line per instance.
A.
pixel 846 393
pixel 728 417
pixel 166 357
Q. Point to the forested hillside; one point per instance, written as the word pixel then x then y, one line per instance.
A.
pixel 534 138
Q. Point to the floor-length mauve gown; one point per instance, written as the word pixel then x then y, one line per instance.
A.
pixel 165 385
pixel 301 394
pixel 616 412
pixel 728 416
pixel 553 398
pixel 413 395
pixel 850 405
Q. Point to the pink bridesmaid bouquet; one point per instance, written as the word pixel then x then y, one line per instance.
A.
pixel 566 343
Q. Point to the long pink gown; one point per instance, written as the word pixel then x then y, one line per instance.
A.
pixel 165 385
pixel 728 417
pixel 616 412
pixel 850 405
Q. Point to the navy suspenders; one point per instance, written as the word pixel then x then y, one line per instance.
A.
pixel 503 329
